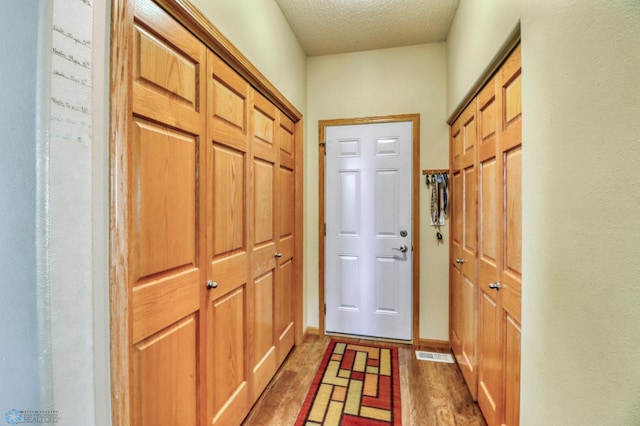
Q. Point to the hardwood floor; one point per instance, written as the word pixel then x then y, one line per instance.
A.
pixel 432 393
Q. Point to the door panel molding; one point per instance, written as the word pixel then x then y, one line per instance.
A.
pixel 189 16
pixel 415 179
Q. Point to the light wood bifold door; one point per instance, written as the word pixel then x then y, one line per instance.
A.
pixel 165 232
pixel 500 244
pixel 251 242
pixel 228 274
pixel 485 308
pixel 210 168
pixel 463 246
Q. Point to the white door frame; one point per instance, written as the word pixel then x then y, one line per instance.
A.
pixel 415 120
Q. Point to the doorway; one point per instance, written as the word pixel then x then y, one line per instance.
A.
pixel 369 240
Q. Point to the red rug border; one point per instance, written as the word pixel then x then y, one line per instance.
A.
pixel 315 384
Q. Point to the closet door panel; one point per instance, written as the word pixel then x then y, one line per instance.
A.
pixel 228 240
pixel 456 193
pixel 228 382
pixel 487 121
pixel 511 93
pixel 488 203
pixel 228 107
pixel 263 212
pixel 227 328
pixel 286 138
pixel 463 271
pixel 469 247
pixel 168 65
pixel 284 306
pixel 227 213
pixel 510 275
pixel 456 315
pixel 490 367
pixel 489 198
pixel 512 371
pixel 489 257
pixel 263 355
pixel 511 155
pixel 468 362
pixel 164 396
pixel 165 219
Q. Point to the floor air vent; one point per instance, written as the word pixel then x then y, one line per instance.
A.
pixel 434 356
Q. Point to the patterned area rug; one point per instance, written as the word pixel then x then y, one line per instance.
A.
pixel 356 384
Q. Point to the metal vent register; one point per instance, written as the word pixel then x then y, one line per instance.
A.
pixel 434 356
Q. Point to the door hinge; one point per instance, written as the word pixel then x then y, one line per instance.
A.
pixel 325 229
pixel 325 309
pixel 323 145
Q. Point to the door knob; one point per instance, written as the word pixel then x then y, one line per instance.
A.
pixel 211 284
pixel 494 286
pixel 402 249
pixel 278 254
pixel 458 260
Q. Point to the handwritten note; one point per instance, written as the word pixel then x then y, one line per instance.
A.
pixel 71 64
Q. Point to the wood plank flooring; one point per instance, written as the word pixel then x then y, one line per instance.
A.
pixel 432 393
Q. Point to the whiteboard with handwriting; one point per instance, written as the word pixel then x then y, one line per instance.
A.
pixel 71 67
pixel 70 188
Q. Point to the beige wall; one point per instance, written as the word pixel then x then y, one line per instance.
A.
pixel 581 194
pixel 258 29
pixel 375 83
pixel 478 30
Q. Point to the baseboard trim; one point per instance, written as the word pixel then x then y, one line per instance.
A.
pixel 434 344
pixel 312 330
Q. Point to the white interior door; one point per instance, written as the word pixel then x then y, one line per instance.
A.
pixel 368 245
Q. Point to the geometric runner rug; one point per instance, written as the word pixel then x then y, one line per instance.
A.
pixel 357 384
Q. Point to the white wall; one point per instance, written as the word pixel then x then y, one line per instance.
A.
pixel 581 193
pixel 375 83
pixel 20 370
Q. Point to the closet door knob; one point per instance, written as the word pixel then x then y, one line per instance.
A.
pixel 460 260
pixel 211 284
pixel 277 255
pixel 494 286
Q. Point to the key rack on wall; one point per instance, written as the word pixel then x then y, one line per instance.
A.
pixel 434 171
pixel 438 182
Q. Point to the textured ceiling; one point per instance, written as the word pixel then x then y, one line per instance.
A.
pixel 326 27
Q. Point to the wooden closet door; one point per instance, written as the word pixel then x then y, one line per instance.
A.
pixel 263 215
pixel 464 260
pixel 286 238
pixel 166 243
pixel 456 312
pixel 228 244
pixel 510 274
pixel 489 257
pixel 500 245
pixel 272 246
